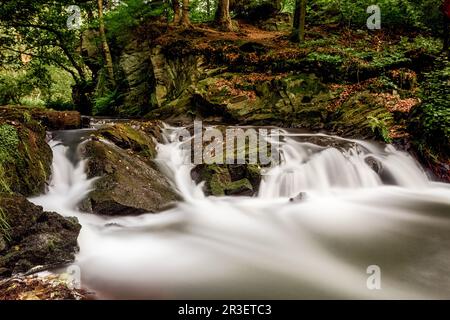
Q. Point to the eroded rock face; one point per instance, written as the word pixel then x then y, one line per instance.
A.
pixel 30 237
pixel 292 101
pixel 128 182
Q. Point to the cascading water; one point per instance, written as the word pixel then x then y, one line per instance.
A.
pixel 365 205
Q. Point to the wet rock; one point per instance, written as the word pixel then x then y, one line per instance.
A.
pixel 128 181
pixel 298 198
pixel 374 164
pixel 232 180
pixel 32 237
pixel 32 287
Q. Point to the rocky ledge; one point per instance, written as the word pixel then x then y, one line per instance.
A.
pixel 30 237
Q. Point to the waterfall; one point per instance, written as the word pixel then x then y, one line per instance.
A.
pixel 69 184
pixel 366 204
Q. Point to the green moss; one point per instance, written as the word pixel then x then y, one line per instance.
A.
pixel 9 141
pixel 127 137
pixel 243 184
pixel 216 177
pixel 363 117
pixel 25 158
pixel 51 245
pixel 27 117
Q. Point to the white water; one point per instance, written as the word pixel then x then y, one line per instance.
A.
pixel 268 246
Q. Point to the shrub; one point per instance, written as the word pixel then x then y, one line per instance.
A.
pixel 107 104
pixel 430 122
pixel 420 14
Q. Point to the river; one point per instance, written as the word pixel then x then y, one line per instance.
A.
pixel 364 204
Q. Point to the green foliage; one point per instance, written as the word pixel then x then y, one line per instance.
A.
pixel 333 59
pixel 107 104
pixel 199 10
pixel 379 127
pixel 60 105
pixel 431 120
pixel 388 59
pixel 13 86
pixel 430 45
pixel 120 21
pixel 422 14
pixel 35 85
pixel 59 96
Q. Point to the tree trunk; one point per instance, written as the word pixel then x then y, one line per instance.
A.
pixel 298 31
pixel 105 46
pixel 223 17
pixel 82 97
pixel 176 12
pixel 185 20
pixel 301 32
pixel 296 17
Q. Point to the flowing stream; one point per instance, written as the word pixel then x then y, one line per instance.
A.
pixel 363 204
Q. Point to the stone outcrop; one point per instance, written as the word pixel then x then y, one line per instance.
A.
pixel 128 181
pixel 30 237
pixel 50 119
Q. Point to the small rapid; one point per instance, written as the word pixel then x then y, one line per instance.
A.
pixel 365 204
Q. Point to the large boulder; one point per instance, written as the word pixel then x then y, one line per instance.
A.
pixel 128 181
pixel 30 237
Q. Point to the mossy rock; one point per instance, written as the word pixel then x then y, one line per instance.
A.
pixel 127 184
pixel 25 158
pixel 233 180
pixel 133 137
pixel 362 116
pixel 32 237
